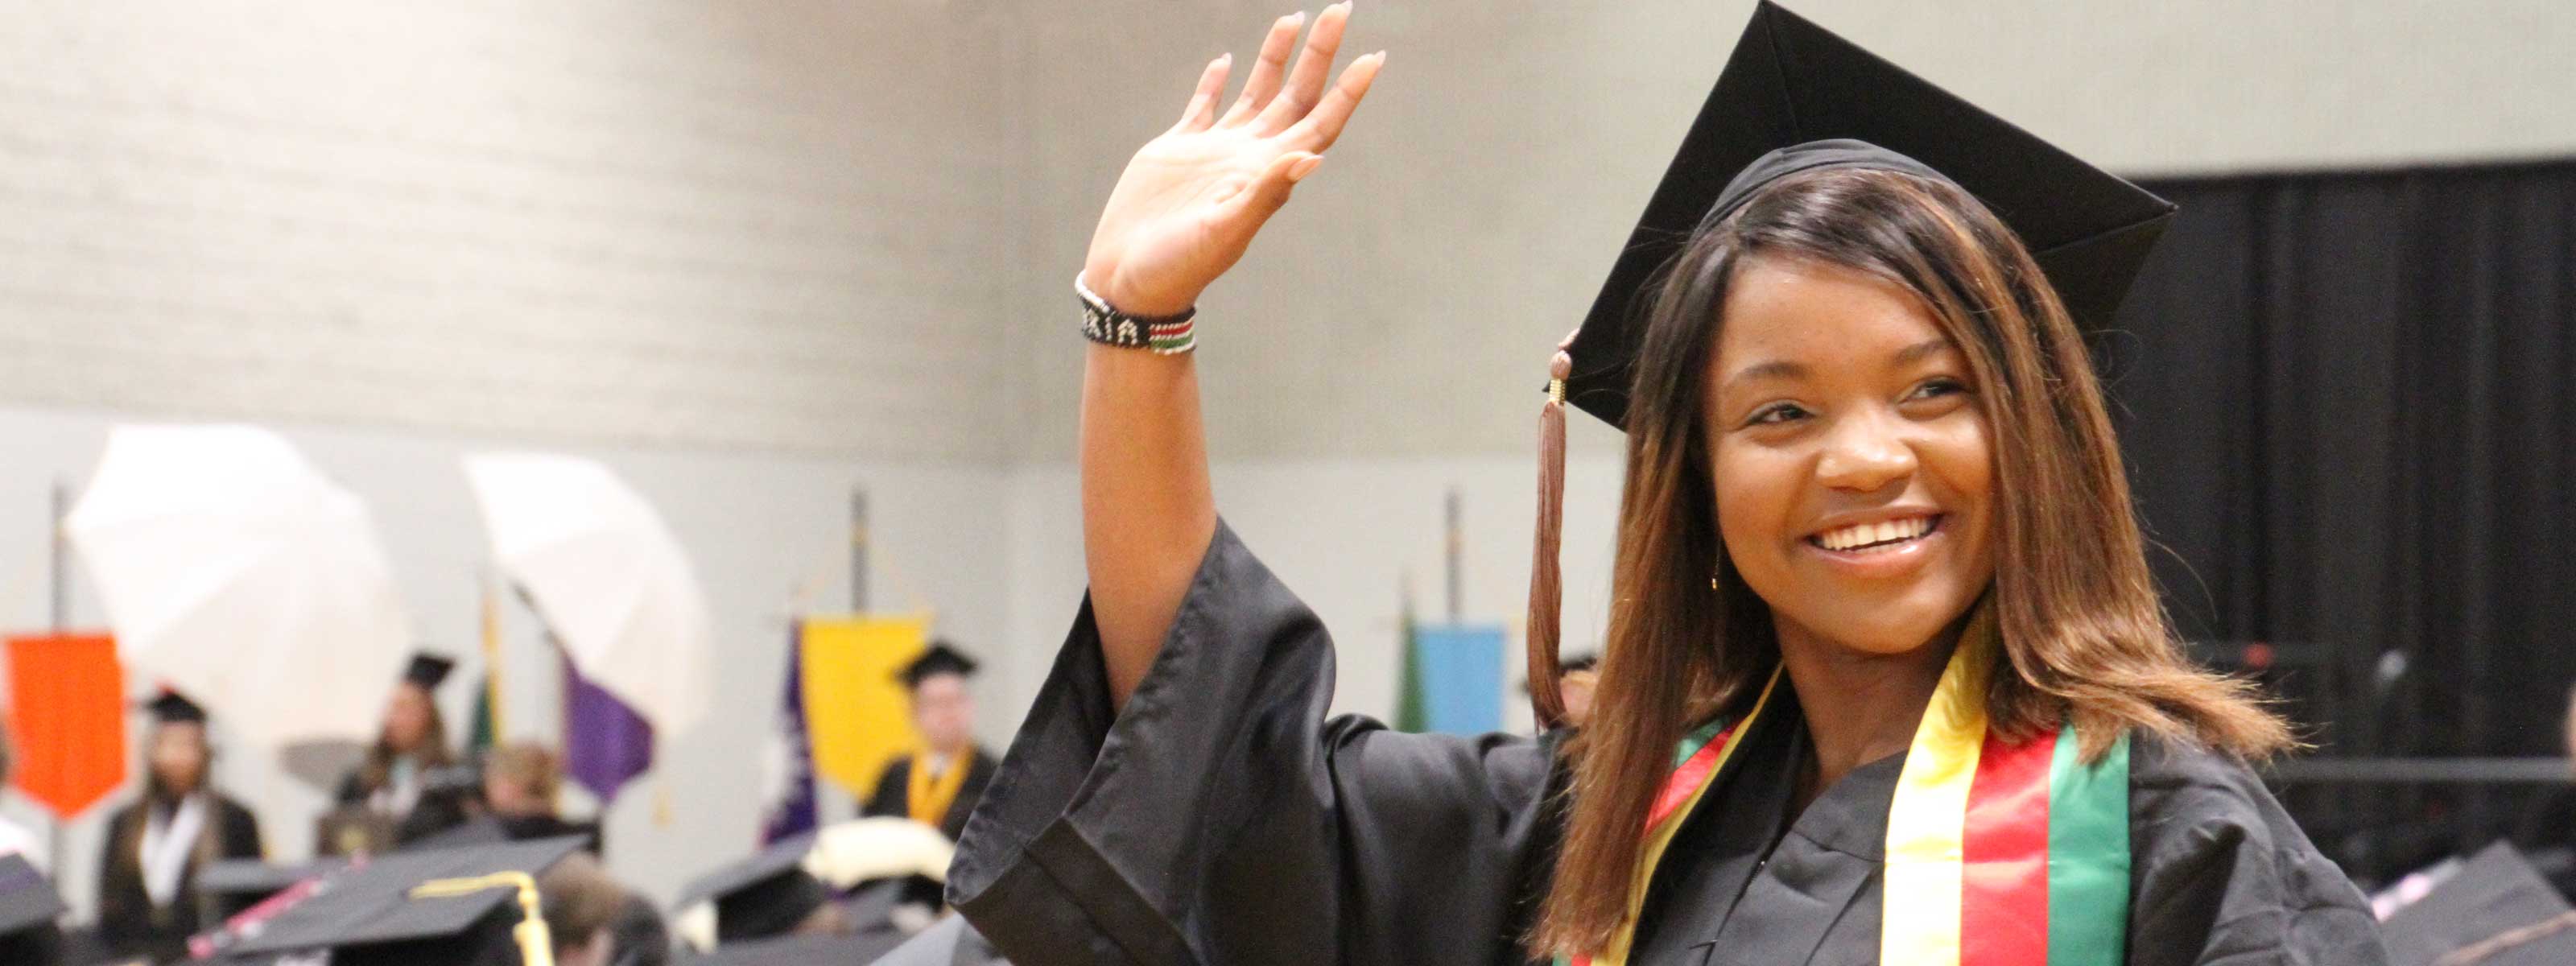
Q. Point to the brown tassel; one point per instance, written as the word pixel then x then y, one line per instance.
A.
pixel 1547 593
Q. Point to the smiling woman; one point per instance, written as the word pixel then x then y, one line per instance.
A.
pixel 1885 679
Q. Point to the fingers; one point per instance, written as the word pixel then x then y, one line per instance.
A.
pixel 1305 83
pixel 1202 108
pixel 1267 69
pixel 1324 125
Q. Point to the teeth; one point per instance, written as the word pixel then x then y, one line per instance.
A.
pixel 1867 534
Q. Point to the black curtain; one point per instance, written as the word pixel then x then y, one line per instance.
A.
pixel 2344 401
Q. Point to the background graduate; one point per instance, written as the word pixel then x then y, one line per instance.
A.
pixel 1878 592
pixel 411 774
pixel 939 785
pixel 148 903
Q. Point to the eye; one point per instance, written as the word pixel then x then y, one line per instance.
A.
pixel 1776 413
pixel 1937 387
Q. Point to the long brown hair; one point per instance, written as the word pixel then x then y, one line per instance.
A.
pixel 431 753
pixel 2084 635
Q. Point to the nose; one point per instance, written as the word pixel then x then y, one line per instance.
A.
pixel 1864 452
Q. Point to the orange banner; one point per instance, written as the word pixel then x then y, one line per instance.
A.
pixel 67 719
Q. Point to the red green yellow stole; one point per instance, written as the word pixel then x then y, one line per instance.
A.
pixel 1997 852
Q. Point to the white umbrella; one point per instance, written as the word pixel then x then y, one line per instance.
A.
pixel 607 576
pixel 233 570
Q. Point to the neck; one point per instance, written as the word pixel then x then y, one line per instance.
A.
pixel 1860 707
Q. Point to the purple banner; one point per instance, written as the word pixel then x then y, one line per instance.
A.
pixel 606 744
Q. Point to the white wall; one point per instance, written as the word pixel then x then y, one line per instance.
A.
pixel 544 220
pixel 760 528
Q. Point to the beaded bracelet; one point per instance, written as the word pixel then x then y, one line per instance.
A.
pixel 1168 336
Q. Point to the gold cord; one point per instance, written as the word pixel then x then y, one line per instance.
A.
pixel 536 945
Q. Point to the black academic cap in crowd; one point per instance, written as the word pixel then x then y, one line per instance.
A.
pixel 801 950
pixel 428 669
pixel 171 707
pixel 27 901
pixel 1794 97
pixel 254 879
pixel 765 895
pixel 938 659
pixel 2495 894
pixel 370 914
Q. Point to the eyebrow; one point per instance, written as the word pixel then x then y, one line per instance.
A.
pixel 1785 369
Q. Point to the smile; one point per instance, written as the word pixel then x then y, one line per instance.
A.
pixel 1883 536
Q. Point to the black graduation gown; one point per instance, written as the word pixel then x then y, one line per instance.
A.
pixel 894 792
pixel 127 920
pixel 442 804
pixel 1222 819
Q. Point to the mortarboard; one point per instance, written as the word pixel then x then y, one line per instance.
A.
pixel 171 707
pixel 938 659
pixel 28 908
pixel 1794 97
pixel 800 951
pixel 2495 900
pixel 255 879
pixel 428 669
pixel 380 913
pixel 765 895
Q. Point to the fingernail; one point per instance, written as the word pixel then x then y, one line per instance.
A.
pixel 1298 172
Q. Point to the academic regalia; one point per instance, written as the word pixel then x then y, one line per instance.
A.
pixel 1222 819
pixel 410 909
pixel 764 896
pixel 28 908
pixel 421 801
pixel 893 796
pixel 952 941
pixel 128 919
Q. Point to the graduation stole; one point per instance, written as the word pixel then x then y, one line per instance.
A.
pixel 927 799
pixel 1997 853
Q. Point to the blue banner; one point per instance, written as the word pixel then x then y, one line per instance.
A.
pixel 1461 677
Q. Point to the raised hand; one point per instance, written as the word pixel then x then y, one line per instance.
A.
pixel 1192 198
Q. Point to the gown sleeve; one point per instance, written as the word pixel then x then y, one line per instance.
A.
pixel 2224 876
pixel 1221 819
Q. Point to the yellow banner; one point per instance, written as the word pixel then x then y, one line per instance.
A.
pixel 856 713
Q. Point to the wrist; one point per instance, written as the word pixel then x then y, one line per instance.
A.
pixel 1124 295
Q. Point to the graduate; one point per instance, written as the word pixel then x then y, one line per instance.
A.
pixel 939 785
pixel 148 901
pixel 1886 679
pixel 410 775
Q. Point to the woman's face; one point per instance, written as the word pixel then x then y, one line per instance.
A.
pixel 406 717
pixel 1851 462
pixel 178 755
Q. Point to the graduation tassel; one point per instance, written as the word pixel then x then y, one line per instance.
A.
pixel 1547 593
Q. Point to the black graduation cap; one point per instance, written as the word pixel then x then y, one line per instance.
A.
pixel 762 896
pixel 2495 899
pixel 1790 84
pixel 938 659
pixel 28 908
pixel 171 707
pixel 801 950
pixel 428 669
pixel 369 914
pixel 255 879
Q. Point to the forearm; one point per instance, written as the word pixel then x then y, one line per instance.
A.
pixel 1147 510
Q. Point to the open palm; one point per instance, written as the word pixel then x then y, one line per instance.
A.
pixel 1192 198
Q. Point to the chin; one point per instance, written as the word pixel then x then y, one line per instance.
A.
pixel 1889 629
